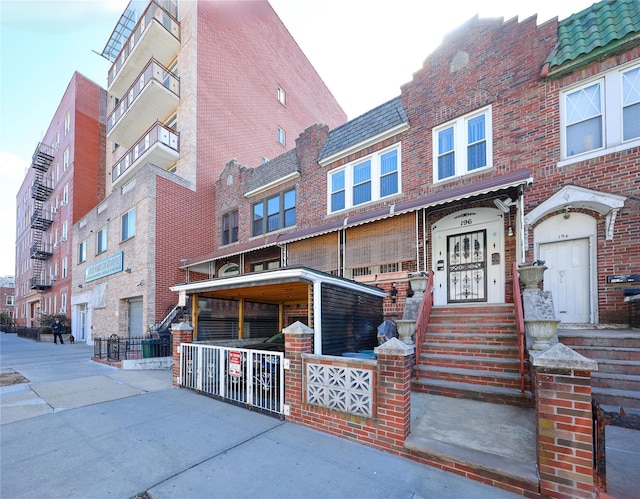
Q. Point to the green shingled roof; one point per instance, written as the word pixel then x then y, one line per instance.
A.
pixel 595 32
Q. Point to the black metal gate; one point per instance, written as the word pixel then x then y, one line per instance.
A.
pixel 467 267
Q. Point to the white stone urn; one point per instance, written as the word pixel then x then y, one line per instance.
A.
pixel 405 330
pixel 531 275
pixel 541 331
pixel 418 281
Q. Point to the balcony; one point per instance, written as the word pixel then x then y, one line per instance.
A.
pixel 41 219
pixel 41 189
pixel 42 157
pixel 41 251
pixel 156 92
pixel 156 35
pixel 39 284
pixel 160 145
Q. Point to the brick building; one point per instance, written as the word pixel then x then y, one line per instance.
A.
pixel 192 85
pixel 472 168
pixel 7 296
pixel 61 186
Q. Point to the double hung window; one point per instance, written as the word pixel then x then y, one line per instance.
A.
pixel 128 225
pixel 370 179
pixel 274 213
pixel 230 227
pixel 602 115
pixel 463 145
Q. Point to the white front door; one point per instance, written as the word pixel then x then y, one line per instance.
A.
pixel 468 257
pixel 567 277
pixel 81 330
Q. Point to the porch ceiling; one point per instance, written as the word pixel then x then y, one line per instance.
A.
pixel 283 292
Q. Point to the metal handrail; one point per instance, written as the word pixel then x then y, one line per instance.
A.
pixel 517 301
pixel 423 317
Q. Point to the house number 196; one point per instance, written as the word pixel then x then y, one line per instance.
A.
pixel 466 221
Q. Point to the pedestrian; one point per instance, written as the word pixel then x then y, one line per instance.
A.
pixel 56 329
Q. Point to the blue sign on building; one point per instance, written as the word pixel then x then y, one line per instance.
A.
pixel 103 268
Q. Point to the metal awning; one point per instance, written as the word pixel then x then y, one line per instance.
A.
pixel 437 198
pixel 272 286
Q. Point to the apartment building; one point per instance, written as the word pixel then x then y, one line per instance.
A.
pixel 192 85
pixel 7 296
pixel 473 168
pixel 62 184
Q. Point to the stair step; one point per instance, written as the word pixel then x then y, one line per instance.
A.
pixel 616 353
pixel 493 394
pixel 608 338
pixel 615 366
pixel 496 470
pixel 472 339
pixel 470 376
pixel 478 363
pixel 484 351
pixel 616 381
pixel 617 398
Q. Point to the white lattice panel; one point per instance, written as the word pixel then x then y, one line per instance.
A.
pixel 343 389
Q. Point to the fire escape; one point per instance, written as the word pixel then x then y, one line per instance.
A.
pixel 41 219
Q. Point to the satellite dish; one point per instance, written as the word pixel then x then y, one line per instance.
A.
pixel 505 205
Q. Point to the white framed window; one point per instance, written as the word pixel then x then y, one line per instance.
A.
pixel 282 96
pixel 282 136
pixel 601 115
pixel 67 123
pixel 82 252
pixel 65 195
pixel 368 179
pixel 65 230
pixel 65 267
pixel 63 303
pixel 65 160
pixel 128 225
pixel 463 145
pixel 101 241
pixel 9 300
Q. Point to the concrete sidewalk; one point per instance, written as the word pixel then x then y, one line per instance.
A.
pixel 81 429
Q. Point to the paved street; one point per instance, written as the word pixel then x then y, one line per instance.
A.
pixel 79 429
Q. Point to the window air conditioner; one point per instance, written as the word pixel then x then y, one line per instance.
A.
pixel 63 202
pixel 54 209
pixel 54 277
pixel 62 310
pixel 63 239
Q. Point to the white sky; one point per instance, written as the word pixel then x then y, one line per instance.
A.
pixel 364 50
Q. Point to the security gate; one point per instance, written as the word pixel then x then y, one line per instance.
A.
pixel 467 267
pixel 253 378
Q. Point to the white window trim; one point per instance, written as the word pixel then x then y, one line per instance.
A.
pixel 611 95
pixel 460 144
pixel 128 214
pixel 375 179
pixel 282 134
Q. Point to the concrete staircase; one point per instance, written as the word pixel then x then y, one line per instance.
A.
pixel 471 351
pixel 616 383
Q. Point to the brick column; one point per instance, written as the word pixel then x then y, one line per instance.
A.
pixel 394 391
pixel 182 333
pixel 298 339
pixel 564 420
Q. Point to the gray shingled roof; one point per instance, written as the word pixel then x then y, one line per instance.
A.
pixel 273 170
pixel 370 124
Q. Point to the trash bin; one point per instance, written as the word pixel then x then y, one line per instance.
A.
pixel 148 348
pixel 165 344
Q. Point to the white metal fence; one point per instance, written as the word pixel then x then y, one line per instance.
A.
pixel 254 378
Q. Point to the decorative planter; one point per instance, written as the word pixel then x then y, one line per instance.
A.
pixel 405 330
pixel 541 331
pixel 531 276
pixel 418 283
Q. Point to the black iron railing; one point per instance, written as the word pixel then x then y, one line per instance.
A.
pixel 116 348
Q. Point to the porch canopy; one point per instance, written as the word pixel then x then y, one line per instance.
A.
pixel 344 313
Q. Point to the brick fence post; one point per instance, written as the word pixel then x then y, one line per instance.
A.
pixel 298 339
pixel 394 391
pixel 181 333
pixel 564 422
